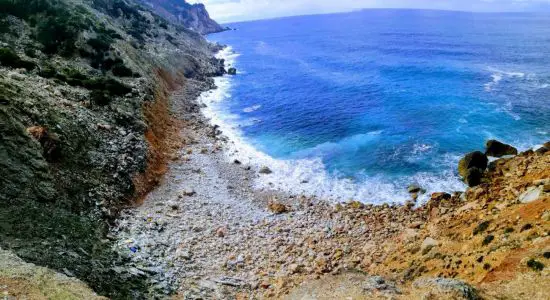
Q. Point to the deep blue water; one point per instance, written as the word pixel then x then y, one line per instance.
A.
pixel 391 95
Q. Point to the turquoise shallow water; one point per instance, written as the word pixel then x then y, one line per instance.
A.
pixel 384 98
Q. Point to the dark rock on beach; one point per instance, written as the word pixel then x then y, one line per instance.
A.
pixel 413 189
pixel 232 71
pixel 473 176
pixel 472 160
pixel 265 170
pixel 497 149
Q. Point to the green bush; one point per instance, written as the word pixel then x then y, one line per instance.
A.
pixel 121 70
pixel 9 58
pixel 56 24
pixel 47 71
pixel 481 227
pixel 488 239
pixel 100 98
pixel 535 265
pixel 110 85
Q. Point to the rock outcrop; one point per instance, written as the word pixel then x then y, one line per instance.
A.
pixel 85 126
pixel 497 149
pixel 192 16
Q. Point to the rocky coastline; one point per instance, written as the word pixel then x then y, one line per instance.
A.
pixel 208 233
pixel 130 189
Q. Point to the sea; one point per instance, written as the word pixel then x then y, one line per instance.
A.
pixel 358 106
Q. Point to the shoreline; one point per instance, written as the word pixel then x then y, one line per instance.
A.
pixel 208 232
pixel 310 176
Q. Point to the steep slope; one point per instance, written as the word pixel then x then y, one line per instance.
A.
pixel 191 16
pixel 85 126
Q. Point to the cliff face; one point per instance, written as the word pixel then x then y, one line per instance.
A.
pixel 191 16
pixel 85 126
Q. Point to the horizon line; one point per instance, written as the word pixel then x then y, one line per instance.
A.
pixel 377 8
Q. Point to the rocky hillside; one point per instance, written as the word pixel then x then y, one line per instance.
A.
pixel 85 126
pixel 191 16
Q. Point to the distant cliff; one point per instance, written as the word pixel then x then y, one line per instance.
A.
pixel 191 16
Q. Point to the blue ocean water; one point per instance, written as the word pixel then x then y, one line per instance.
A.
pixel 379 99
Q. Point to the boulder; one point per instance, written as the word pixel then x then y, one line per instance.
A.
pixel 542 150
pixel 444 288
pixel 380 285
pixel 473 177
pixel 232 71
pixel 265 170
pixel 475 159
pixel 438 197
pixel 414 189
pixel 497 149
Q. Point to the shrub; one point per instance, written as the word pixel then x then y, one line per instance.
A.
pixel 30 52
pixel 9 58
pixel 100 98
pixel 110 85
pixel 121 70
pixel 481 227
pixel 488 239
pixel 535 265
pixel 100 44
pixel 47 71
pixel 56 24
pixel 526 227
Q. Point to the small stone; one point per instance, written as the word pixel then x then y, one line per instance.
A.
pixel 294 268
pixel 277 208
pixel 428 244
pixel 237 162
pixel 104 127
pixel 221 232
pixel 184 254
pixel 189 192
pixel 416 225
pixel 204 151
pixel 265 170
pixel 532 194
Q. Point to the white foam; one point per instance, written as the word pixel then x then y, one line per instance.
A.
pixel 309 176
pixel 497 76
pixel 252 108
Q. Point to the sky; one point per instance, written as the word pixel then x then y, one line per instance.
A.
pixel 225 11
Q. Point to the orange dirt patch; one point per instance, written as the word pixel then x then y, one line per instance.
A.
pixel 162 136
